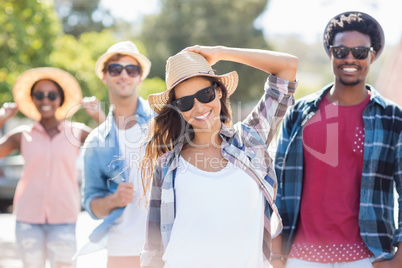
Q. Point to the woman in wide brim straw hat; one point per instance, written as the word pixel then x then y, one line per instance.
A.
pixel 70 97
pixel 46 201
pixel 213 184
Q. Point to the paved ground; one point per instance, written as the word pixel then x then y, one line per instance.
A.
pixel 8 253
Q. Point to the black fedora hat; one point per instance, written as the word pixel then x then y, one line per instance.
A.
pixel 365 17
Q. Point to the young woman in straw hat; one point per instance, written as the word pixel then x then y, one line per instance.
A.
pixel 213 184
pixel 46 201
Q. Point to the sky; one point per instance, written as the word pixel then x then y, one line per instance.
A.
pixel 306 18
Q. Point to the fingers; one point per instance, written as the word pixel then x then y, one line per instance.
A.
pixel 8 109
pixel 125 193
pixel 93 108
pixel 9 105
pixel 90 101
pixel 210 53
pixel 195 48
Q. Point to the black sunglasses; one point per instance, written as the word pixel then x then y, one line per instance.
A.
pixel 204 95
pixel 131 69
pixel 40 95
pixel 341 52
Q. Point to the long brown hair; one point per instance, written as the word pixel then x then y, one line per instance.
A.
pixel 169 127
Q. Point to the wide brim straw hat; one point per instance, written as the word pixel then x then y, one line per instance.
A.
pixel 71 89
pixel 124 48
pixel 183 66
pixel 365 17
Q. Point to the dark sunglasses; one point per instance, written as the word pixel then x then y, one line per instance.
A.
pixel 341 52
pixel 204 95
pixel 40 95
pixel 116 69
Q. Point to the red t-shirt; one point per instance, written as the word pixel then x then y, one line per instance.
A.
pixel 333 143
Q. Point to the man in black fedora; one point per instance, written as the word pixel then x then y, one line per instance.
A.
pixel 339 160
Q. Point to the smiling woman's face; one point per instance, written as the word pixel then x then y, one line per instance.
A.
pixel 43 102
pixel 204 116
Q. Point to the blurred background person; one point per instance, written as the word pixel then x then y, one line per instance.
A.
pixel 112 187
pixel 46 201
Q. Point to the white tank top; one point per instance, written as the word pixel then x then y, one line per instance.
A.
pixel 219 219
pixel 126 237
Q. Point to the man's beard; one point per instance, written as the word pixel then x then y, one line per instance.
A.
pixel 352 83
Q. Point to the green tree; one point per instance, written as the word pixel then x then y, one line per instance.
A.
pixel 314 70
pixel 183 23
pixel 78 57
pixel 27 32
pixel 79 16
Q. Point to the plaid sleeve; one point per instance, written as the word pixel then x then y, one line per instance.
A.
pixel 283 140
pixel 289 170
pixel 398 181
pixel 151 256
pixel 267 115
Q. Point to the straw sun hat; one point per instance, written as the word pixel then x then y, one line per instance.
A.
pixel 125 48
pixel 366 18
pixel 185 65
pixel 71 89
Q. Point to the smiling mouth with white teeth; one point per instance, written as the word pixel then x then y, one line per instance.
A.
pixel 46 108
pixel 350 69
pixel 123 83
pixel 203 117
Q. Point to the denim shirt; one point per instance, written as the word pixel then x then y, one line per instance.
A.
pixel 104 166
pixel 244 145
pixel 382 171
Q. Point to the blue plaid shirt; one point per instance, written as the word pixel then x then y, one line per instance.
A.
pixel 246 147
pixel 382 171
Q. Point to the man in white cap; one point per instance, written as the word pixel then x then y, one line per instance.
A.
pixel 112 188
pixel 339 161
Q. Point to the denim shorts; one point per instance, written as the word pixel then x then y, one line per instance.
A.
pixel 39 242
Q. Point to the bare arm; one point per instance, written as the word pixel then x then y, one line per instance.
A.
pixel 279 64
pixel 84 134
pixel 93 108
pixel 10 142
pixel 276 252
pixel 395 262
